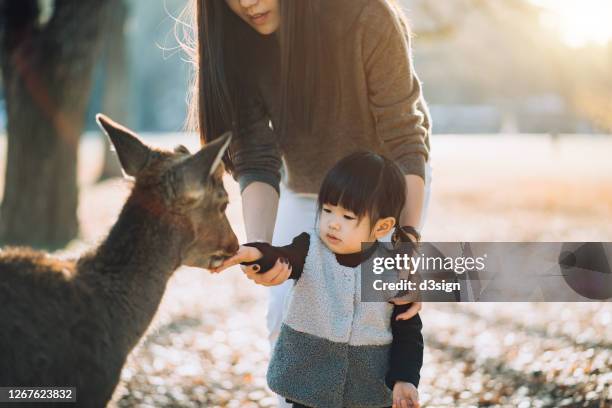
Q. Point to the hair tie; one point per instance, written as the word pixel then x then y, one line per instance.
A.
pixel 403 233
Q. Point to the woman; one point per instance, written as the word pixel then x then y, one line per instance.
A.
pixel 302 84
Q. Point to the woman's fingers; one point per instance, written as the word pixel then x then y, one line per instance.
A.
pixel 400 402
pixel 412 310
pixel 284 275
pixel 229 262
pixel 278 274
pixel 244 254
pixel 283 268
pixel 251 271
pixel 234 260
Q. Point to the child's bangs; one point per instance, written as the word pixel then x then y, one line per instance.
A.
pixel 352 190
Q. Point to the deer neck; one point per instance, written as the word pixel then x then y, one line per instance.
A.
pixel 133 265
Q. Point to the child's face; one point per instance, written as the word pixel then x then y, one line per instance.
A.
pixel 343 232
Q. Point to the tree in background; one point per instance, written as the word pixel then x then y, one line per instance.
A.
pixel 47 52
pixel 115 96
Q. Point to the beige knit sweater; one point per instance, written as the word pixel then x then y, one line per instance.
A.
pixel 379 105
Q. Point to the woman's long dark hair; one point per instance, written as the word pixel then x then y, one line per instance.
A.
pixel 224 51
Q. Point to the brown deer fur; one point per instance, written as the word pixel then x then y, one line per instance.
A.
pixel 73 324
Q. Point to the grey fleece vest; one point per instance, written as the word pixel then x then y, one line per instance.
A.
pixel 333 350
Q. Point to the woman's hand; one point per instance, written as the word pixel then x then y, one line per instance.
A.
pixel 405 395
pixel 244 254
pixel 403 236
pixel 278 274
pixel 412 310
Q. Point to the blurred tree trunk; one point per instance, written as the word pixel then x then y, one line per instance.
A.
pixel 115 99
pixel 47 69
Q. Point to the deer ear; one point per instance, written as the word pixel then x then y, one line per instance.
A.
pixel 215 150
pixel 199 167
pixel 133 154
pixel 189 176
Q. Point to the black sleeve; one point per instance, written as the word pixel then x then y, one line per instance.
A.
pixel 406 357
pixel 295 253
pixel 254 149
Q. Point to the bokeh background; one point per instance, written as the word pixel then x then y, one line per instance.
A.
pixel 521 97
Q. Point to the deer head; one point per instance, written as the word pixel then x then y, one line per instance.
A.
pixel 182 189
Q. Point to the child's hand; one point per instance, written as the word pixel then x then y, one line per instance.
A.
pixel 244 254
pixel 405 395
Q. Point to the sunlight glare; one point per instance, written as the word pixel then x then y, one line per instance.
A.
pixel 580 22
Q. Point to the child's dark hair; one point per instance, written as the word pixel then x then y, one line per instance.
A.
pixel 365 183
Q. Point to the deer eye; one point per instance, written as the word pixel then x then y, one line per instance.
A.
pixel 223 207
pixel 181 149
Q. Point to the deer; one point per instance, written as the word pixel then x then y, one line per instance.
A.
pixel 72 323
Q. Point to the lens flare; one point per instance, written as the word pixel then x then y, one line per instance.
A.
pixel 579 22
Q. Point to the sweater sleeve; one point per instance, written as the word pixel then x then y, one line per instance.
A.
pixel 295 253
pixel 395 95
pixel 254 152
pixel 406 357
